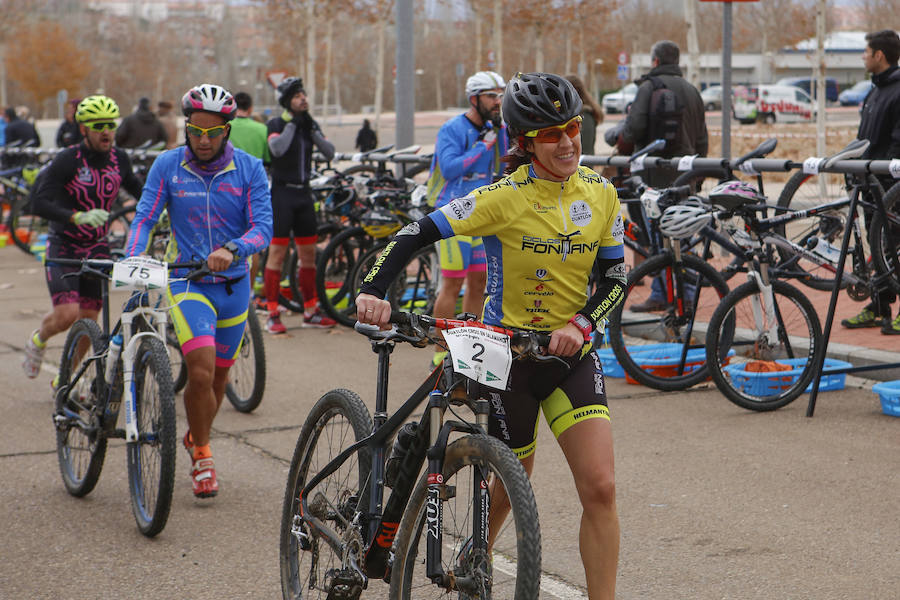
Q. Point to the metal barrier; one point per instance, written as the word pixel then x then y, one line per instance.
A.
pixel 682 163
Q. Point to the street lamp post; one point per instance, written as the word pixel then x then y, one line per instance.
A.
pixel 598 62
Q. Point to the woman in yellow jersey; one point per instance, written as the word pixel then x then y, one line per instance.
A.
pixel 545 225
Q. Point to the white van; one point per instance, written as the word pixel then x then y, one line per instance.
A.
pixel 783 104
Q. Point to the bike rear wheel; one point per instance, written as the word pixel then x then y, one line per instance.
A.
pixel 803 191
pixel 306 559
pixel 789 335
pixel 513 569
pixel 334 272
pixel 25 227
pixel 151 459
pixel 81 451
pixel 664 349
pixel 247 376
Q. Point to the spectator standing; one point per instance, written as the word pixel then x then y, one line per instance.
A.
pixel 69 132
pixel 366 138
pixel 293 136
pixel 467 155
pixel 591 115
pixel 690 138
pixel 141 127
pixel 247 133
pixel 880 124
pixel 20 130
pixel 166 116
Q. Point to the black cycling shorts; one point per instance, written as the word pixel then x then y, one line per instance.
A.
pixel 566 396
pixel 293 211
pixel 85 291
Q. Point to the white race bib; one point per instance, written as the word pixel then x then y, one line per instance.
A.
pixel 480 355
pixel 686 163
pixel 811 165
pixel 894 168
pixel 139 273
pixel 650 200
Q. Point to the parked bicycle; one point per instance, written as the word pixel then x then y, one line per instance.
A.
pixel 102 369
pixel 431 537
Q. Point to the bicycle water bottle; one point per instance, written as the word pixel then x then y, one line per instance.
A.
pixel 398 452
pixel 112 357
pixel 823 248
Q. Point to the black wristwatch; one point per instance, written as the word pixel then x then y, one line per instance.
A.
pixel 584 324
pixel 233 248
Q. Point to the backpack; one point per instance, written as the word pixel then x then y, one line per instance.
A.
pixel 665 114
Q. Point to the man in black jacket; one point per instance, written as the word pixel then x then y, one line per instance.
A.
pixel 880 124
pixel 140 127
pixel 20 130
pixel 690 138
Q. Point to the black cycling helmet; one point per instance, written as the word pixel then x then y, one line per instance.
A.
pixel 287 89
pixel 536 100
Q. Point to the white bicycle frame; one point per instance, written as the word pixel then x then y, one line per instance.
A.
pixel 129 350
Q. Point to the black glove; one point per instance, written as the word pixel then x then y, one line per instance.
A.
pixel 303 121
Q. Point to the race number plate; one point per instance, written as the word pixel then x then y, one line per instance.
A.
pixel 650 200
pixel 480 355
pixel 139 273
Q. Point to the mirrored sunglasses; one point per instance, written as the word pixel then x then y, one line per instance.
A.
pixel 211 132
pixel 101 125
pixel 554 134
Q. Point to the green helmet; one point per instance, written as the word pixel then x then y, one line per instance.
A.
pixel 97 108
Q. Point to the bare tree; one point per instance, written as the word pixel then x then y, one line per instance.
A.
pixel 42 69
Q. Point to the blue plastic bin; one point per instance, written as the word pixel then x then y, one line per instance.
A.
pixel 659 358
pixel 889 393
pixel 772 382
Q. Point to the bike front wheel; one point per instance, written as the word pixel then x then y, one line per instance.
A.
pixel 513 568
pixel 247 376
pixel 80 439
pixel 151 459
pixel 775 344
pixel 308 561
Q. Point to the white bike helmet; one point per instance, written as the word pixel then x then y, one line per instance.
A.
pixel 683 220
pixel 209 98
pixel 483 81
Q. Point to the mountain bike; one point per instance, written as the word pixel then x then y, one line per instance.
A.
pixel 102 369
pixel 431 537
pixel 661 348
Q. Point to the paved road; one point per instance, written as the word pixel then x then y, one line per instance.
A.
pixel 715 502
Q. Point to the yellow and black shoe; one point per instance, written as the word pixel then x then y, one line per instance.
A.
pixel 866 318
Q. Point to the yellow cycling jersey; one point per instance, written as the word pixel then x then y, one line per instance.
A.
pixel 541 238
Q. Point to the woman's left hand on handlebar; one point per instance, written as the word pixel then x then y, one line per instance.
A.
pixel 373 310
pixel 566 341
pixel 219 260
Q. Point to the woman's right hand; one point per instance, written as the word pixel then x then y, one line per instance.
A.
pixel 373 310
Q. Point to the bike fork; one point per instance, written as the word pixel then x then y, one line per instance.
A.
pixel 764 311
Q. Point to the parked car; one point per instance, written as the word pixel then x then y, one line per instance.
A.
pixel 620 101
pixel 712 97
pixel 807 84
pixel 856 94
